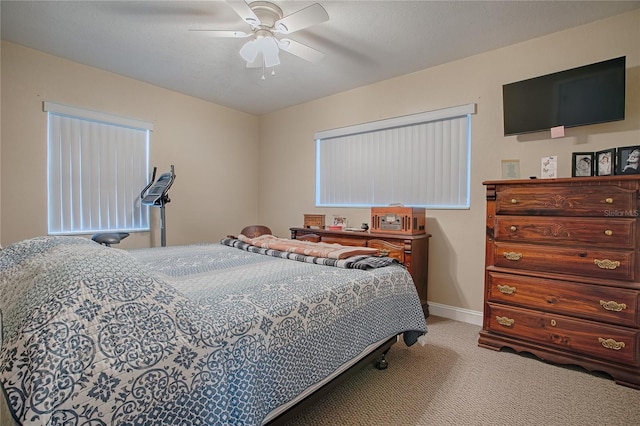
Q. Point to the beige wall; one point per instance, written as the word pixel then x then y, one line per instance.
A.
pixel 213 148
pixel 457 246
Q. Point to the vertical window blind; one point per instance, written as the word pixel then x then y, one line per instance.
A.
pixel 97 166
pixel 416 160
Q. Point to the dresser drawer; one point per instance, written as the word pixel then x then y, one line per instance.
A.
pixel 599 303
pixel 598 201
pixel 608 342
pixel 345 241
pixel 597 263
pixel 396 251
pixel 610 232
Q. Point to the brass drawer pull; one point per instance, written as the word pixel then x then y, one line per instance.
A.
pixel 512 255
pixel 553 323
pixel 506 289
pixel 609 200
pixel 514 201
pixel 613 306
pixel 608 232
pixel 606 263
pixel 513 228
pixel 611 344
pixel 507 322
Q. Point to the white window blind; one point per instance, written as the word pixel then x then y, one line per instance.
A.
pixel 97 166
pixel 416 160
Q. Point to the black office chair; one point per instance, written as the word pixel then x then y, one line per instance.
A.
pixel 109 238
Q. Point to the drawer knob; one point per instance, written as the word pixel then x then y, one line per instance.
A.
pixel 553 323
pixel 505 289
pixel 608 232
pixel 609 200
pixel 507 322
pixel 512 255
pixel 613 306
pixel 513 228
pixel 514 201
pixel 611 344
pixel 606 263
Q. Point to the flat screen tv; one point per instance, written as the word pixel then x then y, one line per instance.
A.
pixel 585 95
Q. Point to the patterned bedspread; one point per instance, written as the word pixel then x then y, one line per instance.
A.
pixel 202 334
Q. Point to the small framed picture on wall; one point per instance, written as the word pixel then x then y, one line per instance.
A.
pixel 605 162
pixel 582 164
pixel 628 160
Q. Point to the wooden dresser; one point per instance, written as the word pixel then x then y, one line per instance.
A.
pixel 411 250
pixel 562 276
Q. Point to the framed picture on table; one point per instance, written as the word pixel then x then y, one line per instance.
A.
pixel 605 162
pixel 628 160
pixel 582 164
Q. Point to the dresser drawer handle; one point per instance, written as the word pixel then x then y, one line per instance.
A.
pixel 506 289
pixel 611 344
pixel 513 228
pixel 512 255
pixel 514 201
pixel 507 322
pixel 609 200
pixel 608 232
pixel 613 306
pixel 606 263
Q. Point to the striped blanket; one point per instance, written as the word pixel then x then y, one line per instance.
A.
pixel 362 261
pixel 331 251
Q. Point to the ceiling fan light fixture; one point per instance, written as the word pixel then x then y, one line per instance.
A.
pixel 250 51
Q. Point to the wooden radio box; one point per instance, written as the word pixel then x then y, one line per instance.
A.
pixel 398 220
pixel 314 221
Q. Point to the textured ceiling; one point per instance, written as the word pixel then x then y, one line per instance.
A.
pixel 363 41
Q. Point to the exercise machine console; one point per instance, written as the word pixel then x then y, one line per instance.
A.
pixel 156 194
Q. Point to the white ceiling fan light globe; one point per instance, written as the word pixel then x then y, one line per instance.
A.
pixel 250 50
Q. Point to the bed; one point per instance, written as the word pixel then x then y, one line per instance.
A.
pixel 222 333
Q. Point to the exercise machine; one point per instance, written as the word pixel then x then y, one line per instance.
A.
pixel 156 194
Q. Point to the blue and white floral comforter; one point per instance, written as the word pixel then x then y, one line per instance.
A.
pixel 191 335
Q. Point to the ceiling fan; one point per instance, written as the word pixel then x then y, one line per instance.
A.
pixel 266 21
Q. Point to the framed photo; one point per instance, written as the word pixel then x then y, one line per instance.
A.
pixel 510 169
pixel 582 164
pixel 628 160
pixel 339 221
pixel 605 162
pixel 549 167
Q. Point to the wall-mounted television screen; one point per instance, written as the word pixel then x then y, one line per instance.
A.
pixel 585 95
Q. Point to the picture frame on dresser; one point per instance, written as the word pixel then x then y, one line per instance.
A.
pixel 582 164
pixel 605 162
pixel 628 160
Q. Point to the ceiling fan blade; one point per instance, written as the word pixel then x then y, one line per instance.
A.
pixel 301 50
pixel 223 33
pixel 244 11
pixel 310 15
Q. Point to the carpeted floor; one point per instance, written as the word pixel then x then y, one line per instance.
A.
pixel 451 381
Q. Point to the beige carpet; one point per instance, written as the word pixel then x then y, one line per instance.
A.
pixel 451 381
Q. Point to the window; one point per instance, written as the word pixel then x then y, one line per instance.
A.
pixel 97 166
pixel 416 160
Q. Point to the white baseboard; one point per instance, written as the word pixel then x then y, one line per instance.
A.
pixel 455 313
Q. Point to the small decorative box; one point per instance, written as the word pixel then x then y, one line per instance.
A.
pixel 314 221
